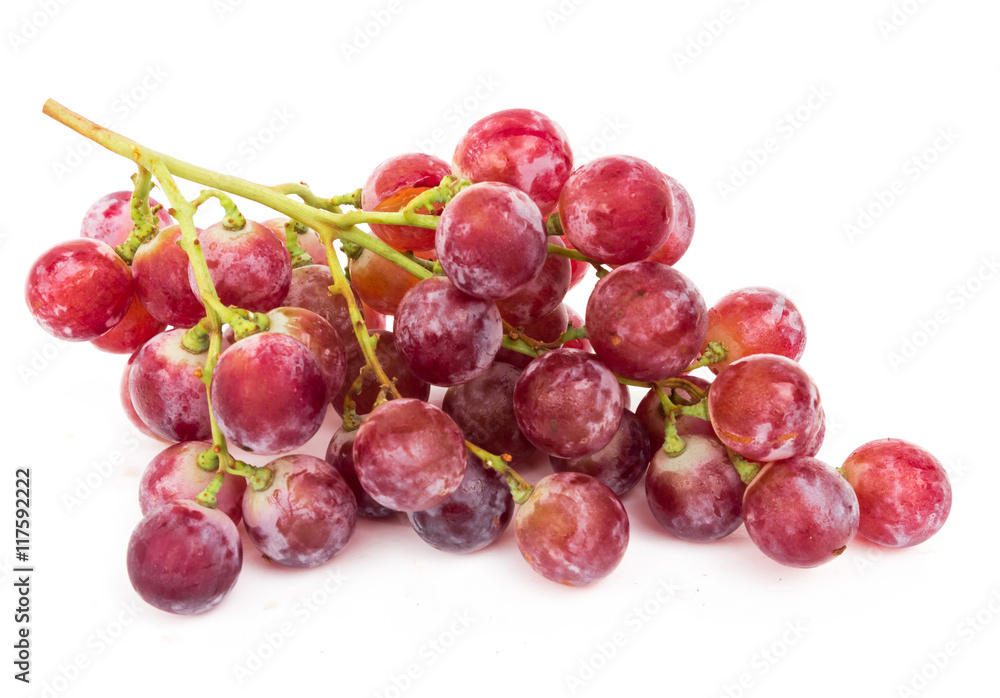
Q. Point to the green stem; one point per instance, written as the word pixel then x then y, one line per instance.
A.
pixel 714 353
pixel 143 220
pixel 233 219
pixel 553 226
pixel 520 489
pixel 298 255
pixel 747 469
pixel 673 444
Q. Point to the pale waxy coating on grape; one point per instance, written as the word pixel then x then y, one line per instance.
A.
pixel 109 219
pixel 567 403
pixel 184 558
pixel 756 320
pixel 409 455
pixel 160 268
pixel 646 321
pixel 305 517
pixel 174 474
pixel 904 492
pixel 800 512
pixel 620 464
pixel 166 389
pixel 765 407
pixel 572 529
pixel 697 495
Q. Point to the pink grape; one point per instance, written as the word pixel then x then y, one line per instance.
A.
pixel 409 455
pixel 681 229
pixel 519 147
pixel 765 407
pixel 800 512
pixel 306 516
pixel 160 268
pixel 903 491
pixel 78 290
pixel 572 530
pixel 126 400
pixel 166 389
pixel 319 337
pixel 616 209
pixel 620 464
pixel 646 321
pixel 540 296
pixel 109 219
pixel 567 403
pixel 491 240
pixel 131 332
pixel 184 558
pixel 174 474
pixel 392 185
pixel 756 320
pixel 340 454
pixel 698 495
pixel 310 289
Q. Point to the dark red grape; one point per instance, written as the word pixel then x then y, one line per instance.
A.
pixel 131 332
pixel 903 491
pixel 184 558
pixel 109 219
pixel 620 464
pixel 568 403
pixel 174 474
pixel 519 147
pixel 646 321
pixel 392 185
pixel 409 455
pixel 310 289
pixel 491 240
pixel 572 530
pixel 800 512
pixel 305 517
pixel 540 296
pixel 166 389
pixel 765 407
pixel 340 454
pixel 446 336
pixel 681 229
pixel 160 268
pixel 650 413
pixel 616 209
pixel 547 329
pixel 471 517
pixel 78 290
pixel 697 495
pixel 395 368
pixel 756 321
pixel 483 408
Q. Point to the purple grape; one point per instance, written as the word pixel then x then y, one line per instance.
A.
pixel 174 474
pixel 395 368
pixel 340 454
pixel 698 495
pixel 305 517
pixel 572 530
pixel 620 464
pixel 472 517
pixel 184 558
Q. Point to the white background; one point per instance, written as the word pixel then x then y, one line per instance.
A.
pixel 199 80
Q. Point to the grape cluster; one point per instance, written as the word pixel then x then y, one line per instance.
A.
pixel 239 335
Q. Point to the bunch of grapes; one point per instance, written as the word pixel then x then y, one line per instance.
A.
pixel 242 334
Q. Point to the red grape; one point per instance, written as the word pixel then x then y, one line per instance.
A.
pixel 109 219
pixel 174 474
pixel 392 185
pixel 269 394
pixel 519 147
pixel 340 454
pixel 184 558
pixel 903 491
pixel 319 337
pixel 78 290
pixel 395 368
pixel 620 464
pixel 578 268
pixel 547 329
pixel 380 283
pixel 646 321
pixel 131 332
pixel 491 240
pixel 765 407
pixel 305 517
pixel 310 289
pixel 409 455
pixel 446 336
pixel 572 530
pixel 616 209
pixel 800 511
pixel 160 268
pixel 574 320
pixel 681 229
pixel 540 296
pixel 697 495
pixel 567 403
pixel 756 320
pixel 126 399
